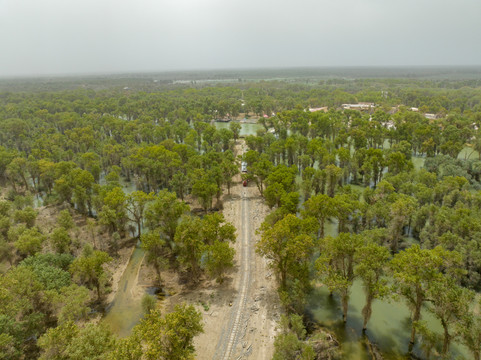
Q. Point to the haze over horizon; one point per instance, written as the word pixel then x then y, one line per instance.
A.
pixel 55 37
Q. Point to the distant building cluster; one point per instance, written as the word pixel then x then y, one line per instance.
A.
pixel 359 106
pixel 431 116
pixel 367 106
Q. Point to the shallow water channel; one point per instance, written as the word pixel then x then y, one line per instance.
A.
pixel 125 311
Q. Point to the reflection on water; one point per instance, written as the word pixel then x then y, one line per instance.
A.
pixel 389 327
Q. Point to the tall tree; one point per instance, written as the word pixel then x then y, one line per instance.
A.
pixel 287 244
pixel 189 245
pixel 450 303
pixel 336 263
pixel 30 241
pixel 235 127
pixel 113 213
pixel 180 183
pixel 415 273
pixel 70 342
pixel 170 337
pixel 469 329
pixel 215 228
pixel 60 240
pixel 229 170
pixel 164 214
pixel 204 189
pixel 156 251
pixel 136 204
pixel 401 211
pixel 321 207
pixel 372 260
pixel 89 268
pixel 333 174
pixel 259 171
pixel 220 258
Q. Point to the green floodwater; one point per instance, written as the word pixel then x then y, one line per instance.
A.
pixel 468 153
pixel 246 128
pixel 389 327
pixel 126 310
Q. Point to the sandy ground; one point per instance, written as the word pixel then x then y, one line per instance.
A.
pixel 218 303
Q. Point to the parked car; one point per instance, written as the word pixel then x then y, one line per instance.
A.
pixel 244 167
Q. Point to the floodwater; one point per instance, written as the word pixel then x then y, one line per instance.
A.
pixel 125 311
pixel 468 153
pixel 389 327
pixel 246 128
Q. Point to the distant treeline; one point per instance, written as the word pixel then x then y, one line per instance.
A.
pixel 460 75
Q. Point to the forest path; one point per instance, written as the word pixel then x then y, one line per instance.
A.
pixel 242 314
pixel 229 338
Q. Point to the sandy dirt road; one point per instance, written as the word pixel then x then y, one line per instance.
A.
pixel 241 315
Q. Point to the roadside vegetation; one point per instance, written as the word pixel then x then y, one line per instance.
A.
pixel 405 233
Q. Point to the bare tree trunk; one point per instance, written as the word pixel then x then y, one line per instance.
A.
pixel 345 305
pixel 159 277
pixel 416 317
pixel 447 337
pixel 367 311
pixel 97 285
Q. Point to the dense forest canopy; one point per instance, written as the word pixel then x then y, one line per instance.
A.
pixel 404 230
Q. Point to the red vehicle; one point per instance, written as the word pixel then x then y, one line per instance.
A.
pixel 244 183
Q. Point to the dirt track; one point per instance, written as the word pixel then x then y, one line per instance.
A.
pixel 242 314
pixel 229 338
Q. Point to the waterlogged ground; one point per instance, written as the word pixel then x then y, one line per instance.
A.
pixel 246 128
pixel 125 311
pixel 389 327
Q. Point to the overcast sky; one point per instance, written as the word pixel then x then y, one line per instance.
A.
pixel 109 36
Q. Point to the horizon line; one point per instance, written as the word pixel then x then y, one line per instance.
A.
pixel 229 69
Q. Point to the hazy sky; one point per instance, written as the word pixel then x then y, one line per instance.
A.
pixel 108 36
